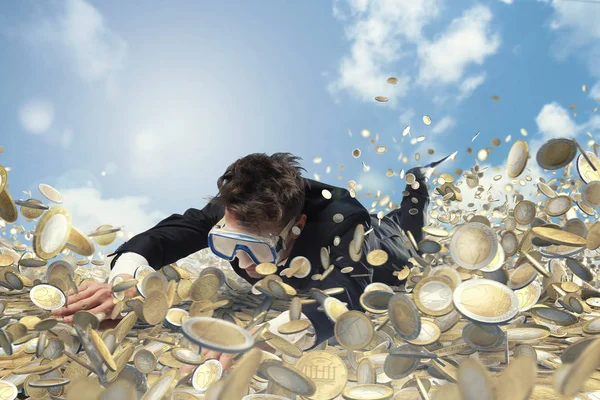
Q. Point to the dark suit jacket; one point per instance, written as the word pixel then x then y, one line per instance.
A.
pixel 181 235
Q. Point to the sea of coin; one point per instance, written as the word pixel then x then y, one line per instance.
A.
pixel 496 303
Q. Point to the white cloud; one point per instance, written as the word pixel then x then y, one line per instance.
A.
pixel 36 116
pixel 468 40
pixel 146 154
pixel 577 22
pixel 507 1
pixel 387 36
pixel 379 31
pixel 468 86
pixel 89 210
pixel 555 121
pixel 443 125
pixel 95 51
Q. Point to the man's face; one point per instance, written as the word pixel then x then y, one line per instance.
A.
pixel 266 229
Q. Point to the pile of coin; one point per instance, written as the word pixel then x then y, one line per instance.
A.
pixel 495 303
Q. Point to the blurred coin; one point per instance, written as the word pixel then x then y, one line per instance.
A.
pixel 404 317
pixel 558 205
pixel 590 195
pixel 486 301
pixel 145 361
pixel 52 232
pixel 206 374
pixel 290 379
pixel 556 153
pixel 368 392
pixel 218 335
pixel 483 337
pixel 557 236
pixel 327 371
pixel 474 382
pixel 8 208
pixel 353 330
pixel 50 193
pixel 79 243
pixel 517 158
pixel 585 170
pixel 8 391
pixel 473 245
pixel 47 297
pixel 433 296
pixel 377 257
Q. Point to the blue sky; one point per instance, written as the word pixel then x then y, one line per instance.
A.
pixel 133 109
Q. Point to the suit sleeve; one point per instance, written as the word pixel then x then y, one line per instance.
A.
pixel 174 237
pixel 353 286
pixel 419 200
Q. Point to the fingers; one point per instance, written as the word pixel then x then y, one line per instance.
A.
pixel 105 307
pixel 226 360
pixel 83 293
pixel 85 303
pixel 212 354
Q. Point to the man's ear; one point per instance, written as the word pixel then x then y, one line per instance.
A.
pixel 299 225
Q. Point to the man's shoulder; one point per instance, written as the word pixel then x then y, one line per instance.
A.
pixel 321 207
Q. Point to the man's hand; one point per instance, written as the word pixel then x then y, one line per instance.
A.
pixel 93 297
pixel 225 359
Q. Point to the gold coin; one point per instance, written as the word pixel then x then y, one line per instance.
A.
pixel 266 268
pixel 353 330
pixel 156 307
pixel 327 371
pixel 79 243
pixel 8 208
pixel 381 99
pixel 585 170
pixel 103 350
pixel 6 260
pixel 206 374
pixel 32 212
pixel 392 80
pixel 557 236
pixel 356 153
pixel 368 392
pixel 524 212
pixel 50 193
pixel 377 257
pixel 590 195
pixel 52 233
pixel 517 158
pixel 433 296
pixel 558 205
pixel 47 297
pixel 8 391
pixel 294 326
pixel 427 120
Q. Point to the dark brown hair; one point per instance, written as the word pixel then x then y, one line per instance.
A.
pixel 260 188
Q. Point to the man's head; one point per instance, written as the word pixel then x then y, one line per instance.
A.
pixel 261 195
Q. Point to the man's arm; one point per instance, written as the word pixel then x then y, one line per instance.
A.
pixel 170 240
pixel 417 199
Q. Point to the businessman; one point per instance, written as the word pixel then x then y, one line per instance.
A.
pixel 266 211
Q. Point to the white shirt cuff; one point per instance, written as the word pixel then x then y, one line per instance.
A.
pixel 305 339
pixel 127 264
